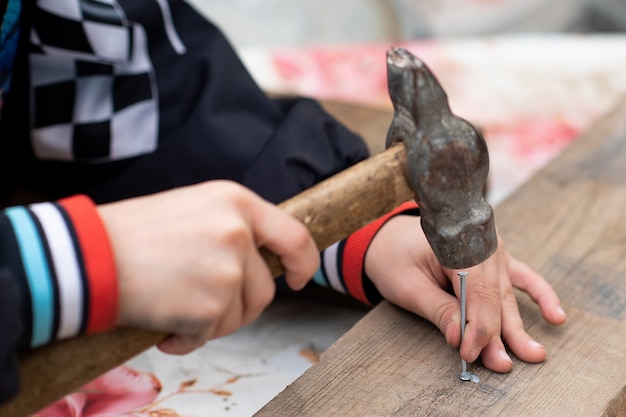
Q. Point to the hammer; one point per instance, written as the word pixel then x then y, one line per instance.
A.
pixel 432 156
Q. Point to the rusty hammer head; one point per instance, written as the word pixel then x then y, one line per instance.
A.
pixel 447 164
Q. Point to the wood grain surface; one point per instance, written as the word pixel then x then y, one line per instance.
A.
pixel 569 223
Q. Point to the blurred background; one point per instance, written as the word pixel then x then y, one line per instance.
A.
pixel 251 23
pixel 532 74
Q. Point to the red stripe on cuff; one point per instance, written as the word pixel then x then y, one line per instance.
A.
pixel 99 262
pixel 356 247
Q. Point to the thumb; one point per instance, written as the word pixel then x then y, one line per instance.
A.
pixel 445 313
pixel 287 238
pixel 439 307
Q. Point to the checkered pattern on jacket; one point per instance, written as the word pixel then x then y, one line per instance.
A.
pixel 93 93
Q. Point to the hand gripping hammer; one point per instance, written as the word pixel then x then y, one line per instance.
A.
pixel 432 155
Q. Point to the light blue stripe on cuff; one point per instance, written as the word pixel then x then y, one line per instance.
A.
pixel 37 273
pixel 319 279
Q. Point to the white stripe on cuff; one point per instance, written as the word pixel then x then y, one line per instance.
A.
pixel 65 266
pixel 331 268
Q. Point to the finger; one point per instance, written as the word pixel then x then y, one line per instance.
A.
pixel 231 320
pixel 435 305
pixel 180 344
pixel 540 291
pixel 192 334
pixel 516 337
pixel 494 356
pixel 290 240
pixel 483 308
pixel 259 288
pixel 443 311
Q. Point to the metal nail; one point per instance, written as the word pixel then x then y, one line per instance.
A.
pixel 465 375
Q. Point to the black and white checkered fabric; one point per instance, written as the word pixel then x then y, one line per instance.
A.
pixel 93 92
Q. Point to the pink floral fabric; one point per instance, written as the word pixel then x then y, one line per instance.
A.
pixel 120 392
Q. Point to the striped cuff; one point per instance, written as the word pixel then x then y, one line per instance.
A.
pixel 63 256
pixel 343 263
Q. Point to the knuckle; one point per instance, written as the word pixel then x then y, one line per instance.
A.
pixel 203 316
pixel 235 192
pixel 486 329
pixel 486 332
pixel 211 312
pixel 218 275
pixel 483 294
pixel 228 279
pixel 236 234
pixel 225 191
pixel 300 238
pixel 225 186
pixel 507 293
pixel 443 314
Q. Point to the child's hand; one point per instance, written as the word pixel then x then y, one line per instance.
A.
pixel 188 261
pixel 403 267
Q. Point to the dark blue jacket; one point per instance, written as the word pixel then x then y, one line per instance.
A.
pixel 170 105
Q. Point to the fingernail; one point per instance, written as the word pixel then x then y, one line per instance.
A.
pixel 535 345
pixel 504 356
pixel 561 311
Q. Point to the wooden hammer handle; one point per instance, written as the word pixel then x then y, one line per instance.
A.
pixel 340 205
pixel 331 210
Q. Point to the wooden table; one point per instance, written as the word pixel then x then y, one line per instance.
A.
pixel 568 222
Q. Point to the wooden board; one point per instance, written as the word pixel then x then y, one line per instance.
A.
pixel 568 222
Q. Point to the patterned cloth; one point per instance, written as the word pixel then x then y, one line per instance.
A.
pixel 95 54
pixel 121 98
